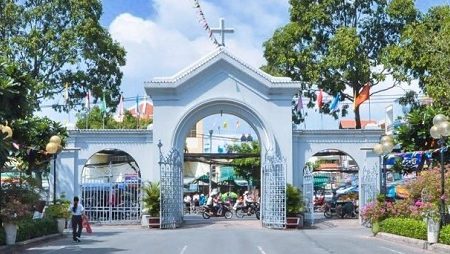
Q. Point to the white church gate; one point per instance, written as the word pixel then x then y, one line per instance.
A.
pixel 171 184
pixel 273 186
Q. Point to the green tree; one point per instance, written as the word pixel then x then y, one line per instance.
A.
pixel 247 168
pixel 423 54
pixel 96 117
pixel 59 43
pixel 334 45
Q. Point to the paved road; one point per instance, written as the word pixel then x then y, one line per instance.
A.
pixel 228 237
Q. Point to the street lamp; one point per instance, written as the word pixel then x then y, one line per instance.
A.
pixel 440 131
pixel 54 147
pixel 383 148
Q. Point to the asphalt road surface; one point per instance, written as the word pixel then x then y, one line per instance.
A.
pixel 200 236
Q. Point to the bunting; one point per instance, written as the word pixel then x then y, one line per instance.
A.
pixel 299 102
pixel 120 109
pixel 88 100
pixel 66 93
pixel 204 23
pixel 237 124
pixel 103 105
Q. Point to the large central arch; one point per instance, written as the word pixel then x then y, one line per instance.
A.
pixel 225 106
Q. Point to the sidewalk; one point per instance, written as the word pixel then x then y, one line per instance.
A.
pixel 15 248
pixel 436 247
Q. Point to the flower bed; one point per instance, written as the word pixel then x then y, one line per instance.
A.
pixel 405 227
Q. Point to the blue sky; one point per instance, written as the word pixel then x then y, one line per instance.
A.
pixel 162 37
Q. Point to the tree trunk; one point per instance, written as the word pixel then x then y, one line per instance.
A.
pixel 357 118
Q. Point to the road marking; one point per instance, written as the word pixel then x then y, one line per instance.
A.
pixel 398 252
pixel 261 250
pixel 47 248
pixel 184 249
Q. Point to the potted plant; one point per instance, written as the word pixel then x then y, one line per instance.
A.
pixel 59 211
pixel 16 205
pixel 431 214
pixel 152 203
pixel 295 207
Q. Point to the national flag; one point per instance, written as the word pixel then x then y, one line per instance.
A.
pixel 138 111
pixel 363 95
pixel 120 110
pixel 66 93
pixel 299 102
pixel 88 100
pixel 320 99
pixel 103 105
pixel 335 103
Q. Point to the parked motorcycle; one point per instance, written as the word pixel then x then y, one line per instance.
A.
pixel 340 209
pixel 319 203
pixel 253 208
pixel 223 211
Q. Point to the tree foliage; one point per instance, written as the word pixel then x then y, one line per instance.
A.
pixel 334 45
pixel 247 168
pixel 62 43
pixel 95 118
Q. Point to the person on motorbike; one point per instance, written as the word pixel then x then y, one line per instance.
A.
pixel 209 203
pixel 248 201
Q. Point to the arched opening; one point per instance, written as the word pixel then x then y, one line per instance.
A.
pixel 221 160
pixel 336 184
pixel 111 187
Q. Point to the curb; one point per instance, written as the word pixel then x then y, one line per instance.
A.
pixel 30 241
pixel 436 247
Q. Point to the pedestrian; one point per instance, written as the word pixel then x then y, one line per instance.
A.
pixel 77 211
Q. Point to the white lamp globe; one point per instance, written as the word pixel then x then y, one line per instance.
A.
pixel 378 149
pixel 439 118
pixel 434 132
pixel 444 129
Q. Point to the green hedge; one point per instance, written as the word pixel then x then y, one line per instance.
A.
pixel 405 227
pixel 29 228
pixel 444 235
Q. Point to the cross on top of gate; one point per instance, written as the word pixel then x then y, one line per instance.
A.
pixel 222 30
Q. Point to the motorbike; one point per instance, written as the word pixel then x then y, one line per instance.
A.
pixel 223 211
pixel 337 209
pixel 319 203
pixel 252 208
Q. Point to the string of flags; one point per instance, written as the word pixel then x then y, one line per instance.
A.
pixel 204 23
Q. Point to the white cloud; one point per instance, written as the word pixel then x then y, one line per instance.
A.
pixel 174 38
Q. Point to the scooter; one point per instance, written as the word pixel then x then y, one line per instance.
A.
pixel 253 208
pixel 222 211
pixel 337 209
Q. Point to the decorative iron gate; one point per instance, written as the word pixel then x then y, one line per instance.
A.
pixel 107 200
pixel 369 184
pixel 273 192
pixel 308 194
pixel 171 183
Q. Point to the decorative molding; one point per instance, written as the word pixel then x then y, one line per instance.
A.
pixel 337 136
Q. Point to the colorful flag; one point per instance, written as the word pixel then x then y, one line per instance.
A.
pixel 335 103
pixel 237 124
pixel 320 99
pixel 88 100
pixel 225 124
pixel 363 95
pixel 103 105
pixel 120 110
pixel 299 102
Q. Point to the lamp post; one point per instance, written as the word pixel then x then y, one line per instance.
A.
pixel 440 131
pixel 54 147
pixel 383 148
pixel 210 164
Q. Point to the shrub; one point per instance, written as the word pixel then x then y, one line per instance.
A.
pixel 59 210
pixel 294 201
pixel 444 235
pixel 29 228
pixel 405 227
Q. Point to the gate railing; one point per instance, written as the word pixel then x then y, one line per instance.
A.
pixel 171 184
pixel 308 194
pixel 369 185
pixel 273 192
pixel 111 202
